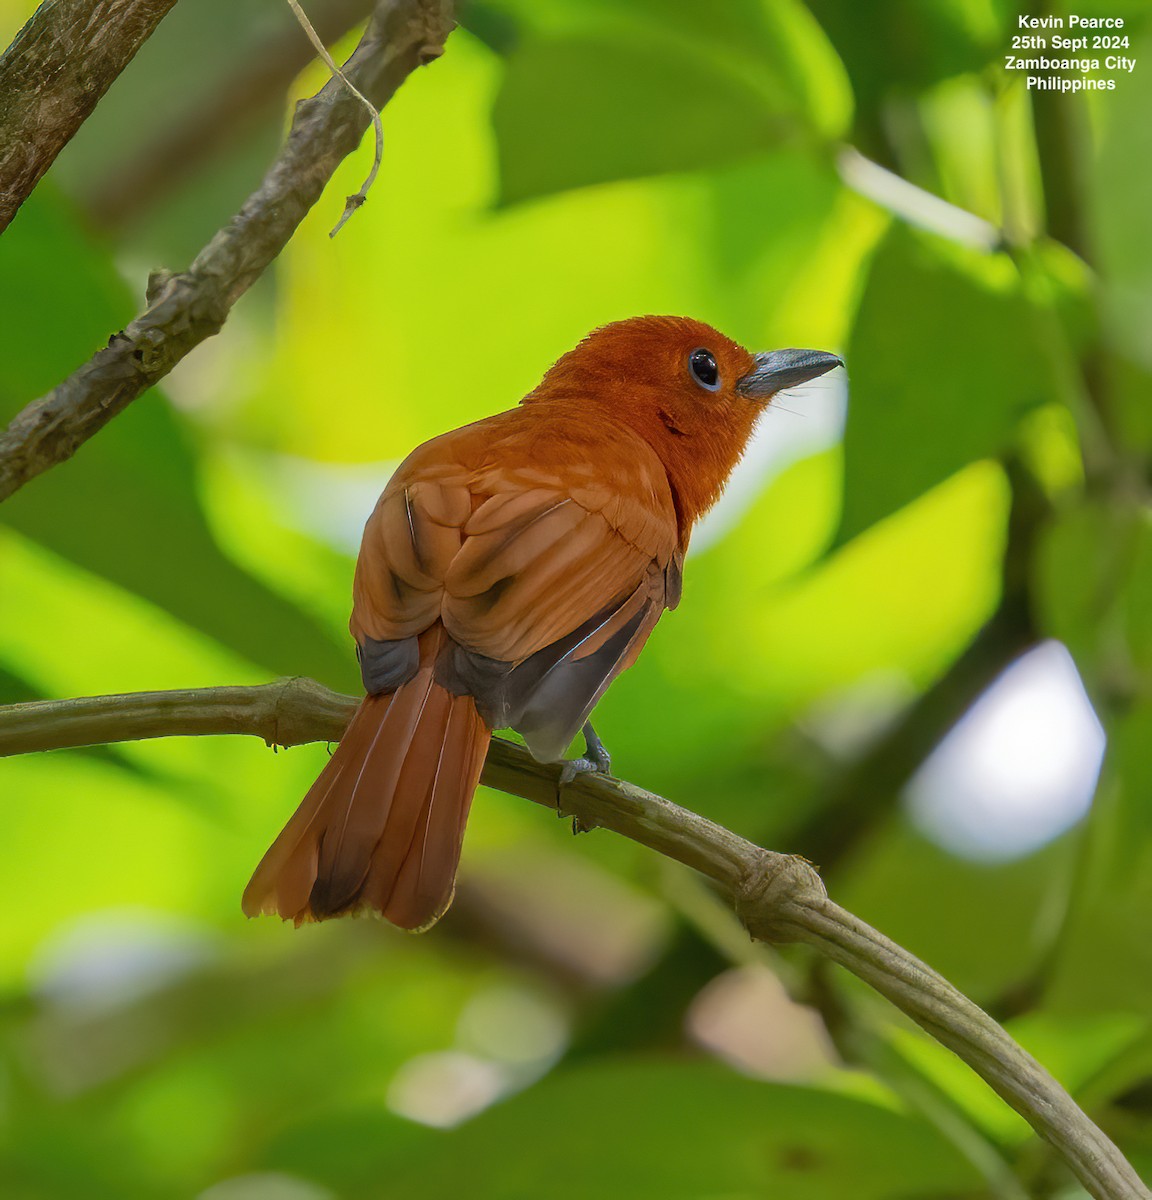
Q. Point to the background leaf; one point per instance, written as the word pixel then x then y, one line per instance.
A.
pixel 126 506
pixel 945 362
pixel 710 1133
pixel 676 96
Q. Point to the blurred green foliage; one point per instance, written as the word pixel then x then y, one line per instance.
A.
pixel 586 1021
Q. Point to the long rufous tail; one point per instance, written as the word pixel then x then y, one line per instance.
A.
pixel 382 826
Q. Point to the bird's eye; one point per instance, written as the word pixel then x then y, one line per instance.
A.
pixel 704 369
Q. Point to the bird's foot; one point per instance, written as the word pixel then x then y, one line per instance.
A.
pixel 571 768
pixel 595 761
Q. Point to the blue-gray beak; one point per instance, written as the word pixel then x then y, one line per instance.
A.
pixel 779 369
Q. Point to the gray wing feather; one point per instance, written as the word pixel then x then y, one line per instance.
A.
pixel 547 697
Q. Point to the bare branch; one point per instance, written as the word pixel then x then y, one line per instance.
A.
pixel 216 118
pixel 779 897
pixel 52 77
pixel 185 309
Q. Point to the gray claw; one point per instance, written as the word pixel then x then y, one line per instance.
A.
pixel 578 766
pixel 595 751
pixel 595 761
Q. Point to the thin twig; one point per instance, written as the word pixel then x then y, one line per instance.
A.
pixel 779 897
pixel 186 308
pixel 353 202
pixel 247 97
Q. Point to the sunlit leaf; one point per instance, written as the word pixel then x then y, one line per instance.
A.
pixel 85 835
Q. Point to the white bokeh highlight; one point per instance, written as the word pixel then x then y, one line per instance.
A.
pixel 1019 769
pixel 330 501
pixel 112 958
pixel 444 1088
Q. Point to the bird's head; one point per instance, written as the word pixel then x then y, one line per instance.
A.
pixel 693 394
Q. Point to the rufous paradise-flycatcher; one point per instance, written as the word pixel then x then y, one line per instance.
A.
pixel 509 572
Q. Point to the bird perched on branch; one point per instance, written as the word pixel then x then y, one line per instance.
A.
pixel 510 571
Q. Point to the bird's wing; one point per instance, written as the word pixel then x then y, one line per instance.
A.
pixel 547 576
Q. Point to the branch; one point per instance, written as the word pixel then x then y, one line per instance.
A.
pixel 187 308
pixel 848 802
pixel 779 897
pixel 213 120
pixel 52 77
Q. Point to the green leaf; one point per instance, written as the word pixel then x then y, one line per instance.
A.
pixel 1093 588
pixel 1078 565
pixel 1105 959
pixel 1093 575
pixel 1124 819
pixel 975 923
pixel 82 834
pixel 676 1130
pixel 943 363
pixel 1077 1050
pixel 559 97
pixel 663 87
pixel 1136 601
pixel 906 44
pixel 126 507
pixel 1121 189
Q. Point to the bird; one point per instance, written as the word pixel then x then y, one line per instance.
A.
pixel 511 569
